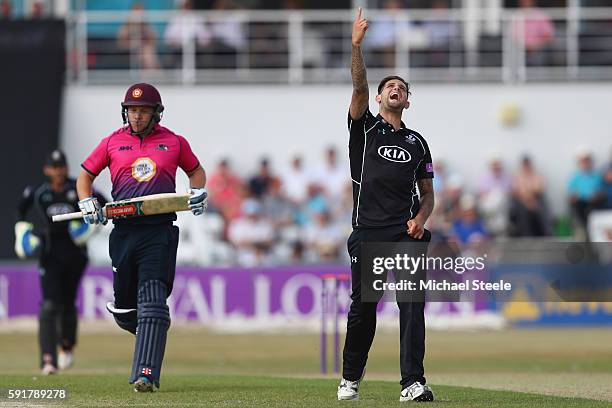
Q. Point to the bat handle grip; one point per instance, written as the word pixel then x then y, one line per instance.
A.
pixel 67 217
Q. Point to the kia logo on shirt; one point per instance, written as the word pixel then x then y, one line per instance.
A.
pixel 394 154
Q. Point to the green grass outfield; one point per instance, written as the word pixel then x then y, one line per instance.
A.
pixel 239 390
pixel 507 368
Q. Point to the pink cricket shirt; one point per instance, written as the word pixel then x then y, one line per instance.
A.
pixel 140 168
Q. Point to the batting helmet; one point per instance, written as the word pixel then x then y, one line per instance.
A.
pixel 142 94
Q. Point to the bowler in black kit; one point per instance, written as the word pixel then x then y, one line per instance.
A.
pixel 388 162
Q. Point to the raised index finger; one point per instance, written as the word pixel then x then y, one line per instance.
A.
pixel 359 12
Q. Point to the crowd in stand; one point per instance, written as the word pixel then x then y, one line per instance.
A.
pixel 220 41
pixel 302 214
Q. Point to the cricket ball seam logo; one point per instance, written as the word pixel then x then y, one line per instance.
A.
pixel 137 93
pixel 143 169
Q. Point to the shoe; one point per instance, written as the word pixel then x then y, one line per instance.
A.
pixel 348 390
pixel 417 392
pixel 49 369
pixel 65 359
pixel 143 384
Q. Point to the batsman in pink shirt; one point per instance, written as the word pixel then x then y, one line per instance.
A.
pixel 142 157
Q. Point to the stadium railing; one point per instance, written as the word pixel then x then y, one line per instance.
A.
pixel 298 47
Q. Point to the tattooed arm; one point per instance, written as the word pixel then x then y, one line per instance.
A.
pixel 416 226
pixel 359 100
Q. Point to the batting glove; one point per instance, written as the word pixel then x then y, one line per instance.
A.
pixel 92 212
pixel 198 202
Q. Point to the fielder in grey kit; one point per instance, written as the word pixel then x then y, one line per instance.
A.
pixel 388 162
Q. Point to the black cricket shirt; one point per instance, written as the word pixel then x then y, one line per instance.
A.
pixel 385 165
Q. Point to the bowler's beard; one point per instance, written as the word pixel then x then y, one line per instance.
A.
pixel 393 107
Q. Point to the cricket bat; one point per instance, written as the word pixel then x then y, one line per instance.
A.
pixel 137 207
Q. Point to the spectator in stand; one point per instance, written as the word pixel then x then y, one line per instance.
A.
pixel 225 191
pixel 228 36
pixel 276 207
pixel 332 176
pixel 185 27
pixel 315 203
pixel 324 238
pixel 384 33
pixel 536 31
pixel 137 37
pixel 440 34
pixel 38 10
pixel 585 191
pixel 448 190
pixel 296 181
pixel 469 228
pixel 252 234
pixel 260 184
pixel 6 10
pixel 607 178
pixel 494 195
pixel 529 217
pixel 439 183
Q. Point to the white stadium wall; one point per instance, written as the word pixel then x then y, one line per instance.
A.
pixel 461 123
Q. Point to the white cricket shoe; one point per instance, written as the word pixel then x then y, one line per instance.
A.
pixel 49 369
pixel 65 359
pixel 348 390
pixel 417 392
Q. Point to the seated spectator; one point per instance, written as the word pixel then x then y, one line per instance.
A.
pixel 528 212
pixel 448 190
pixel 440 34
pixel 494 196
pixel 296 181
pixel 469 228
pixel 259 185
pixel 5 10
pixel 439 182
pixel 536 31
pixel 137 37
pixel 324 237
pixel 38 10
pixel 252 234
pixel 315 203
pixel 585 190
pixel 332 176
pixel 228 37
pixel 383 34
pixel 225 190
pixel 607 178
pixel 276 207
pixel 183 28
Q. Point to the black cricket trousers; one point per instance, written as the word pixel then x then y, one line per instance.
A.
pixel 361 324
